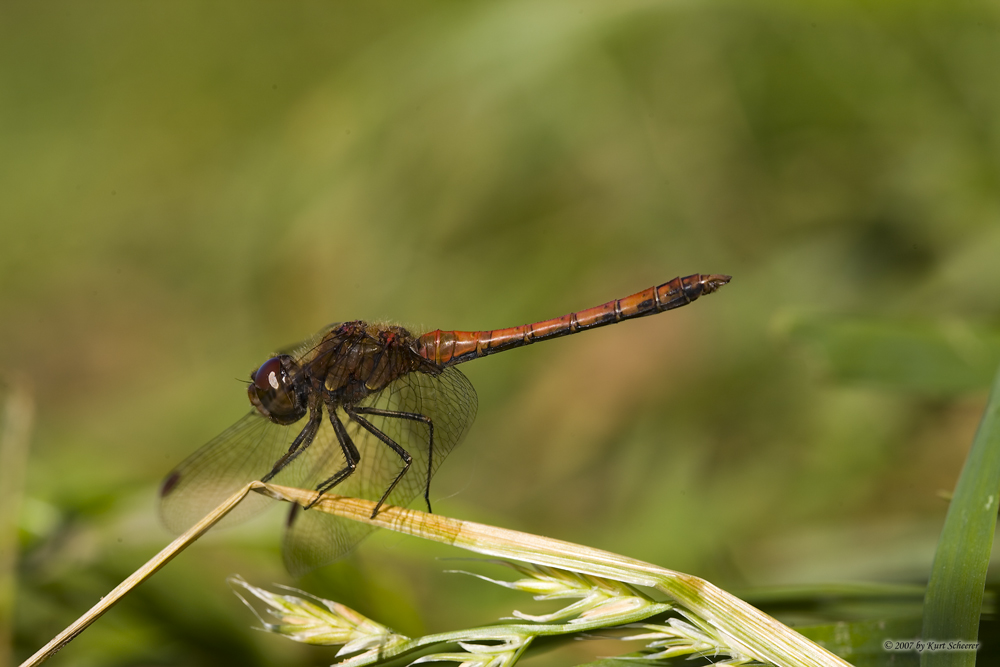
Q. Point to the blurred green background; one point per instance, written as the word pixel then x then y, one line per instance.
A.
pixel 187 187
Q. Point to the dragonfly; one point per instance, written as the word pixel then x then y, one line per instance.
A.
pixel 371 410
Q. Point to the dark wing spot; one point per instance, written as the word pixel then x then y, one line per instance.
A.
pixel 170 483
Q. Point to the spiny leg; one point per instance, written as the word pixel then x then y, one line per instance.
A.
pixel 299 445
pixel 412 416
pixel 389 442
pixel 351 455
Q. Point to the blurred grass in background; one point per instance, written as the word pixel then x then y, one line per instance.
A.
pixel 188 187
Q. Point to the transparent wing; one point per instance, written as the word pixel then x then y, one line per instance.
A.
pixel 313 538
pixel 244 452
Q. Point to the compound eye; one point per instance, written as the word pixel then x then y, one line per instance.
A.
pixel 268 377
pixel 272 391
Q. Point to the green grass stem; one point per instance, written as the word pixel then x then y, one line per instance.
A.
pixel 953 604
pixel 748 630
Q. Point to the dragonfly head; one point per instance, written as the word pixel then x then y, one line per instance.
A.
pixel 272 391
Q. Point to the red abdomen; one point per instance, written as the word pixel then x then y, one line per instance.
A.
pixel 447 348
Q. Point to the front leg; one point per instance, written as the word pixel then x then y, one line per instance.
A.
pixel 299 445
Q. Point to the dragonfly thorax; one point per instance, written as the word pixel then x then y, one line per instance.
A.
pixel 358 359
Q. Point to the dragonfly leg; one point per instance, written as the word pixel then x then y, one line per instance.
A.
pixel 412 416
pixel 299 445
pixel 351 455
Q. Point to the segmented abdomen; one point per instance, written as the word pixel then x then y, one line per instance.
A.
pixel 447 348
